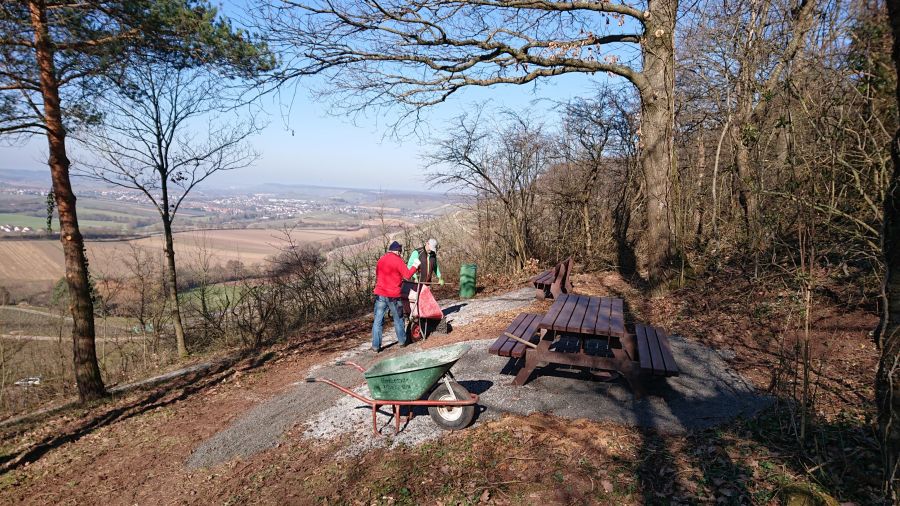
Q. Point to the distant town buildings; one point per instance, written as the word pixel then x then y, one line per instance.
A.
pixel 217 209
pixel 14 229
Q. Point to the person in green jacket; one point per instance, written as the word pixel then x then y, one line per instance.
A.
pixel 428 268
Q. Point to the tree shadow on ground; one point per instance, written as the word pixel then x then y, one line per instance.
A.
pixel 659 458
pixel 455 308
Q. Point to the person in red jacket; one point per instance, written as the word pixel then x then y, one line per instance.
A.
pixel 390 272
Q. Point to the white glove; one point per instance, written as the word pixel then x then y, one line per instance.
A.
pixel 416 263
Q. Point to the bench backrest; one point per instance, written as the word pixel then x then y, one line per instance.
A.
pixel 561 282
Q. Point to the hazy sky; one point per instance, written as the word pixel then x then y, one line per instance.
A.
pixel 309 146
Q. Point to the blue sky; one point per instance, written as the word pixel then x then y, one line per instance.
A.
pixel 309 146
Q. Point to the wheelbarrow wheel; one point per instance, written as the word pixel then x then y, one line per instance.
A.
pixel 451 417
pixel 413 331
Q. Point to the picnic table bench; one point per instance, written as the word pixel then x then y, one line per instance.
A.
pixel 654 351
pixel 553 282
pixel 589 332
pixel 525 327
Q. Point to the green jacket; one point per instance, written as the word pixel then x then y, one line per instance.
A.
pixel 429 265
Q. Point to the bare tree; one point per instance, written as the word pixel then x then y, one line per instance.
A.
pixel 599 140
pixel 498 161
pixel 52 55
pixel 749 49
pixel 165 130
pixel 415 54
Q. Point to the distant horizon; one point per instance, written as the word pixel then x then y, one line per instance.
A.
pixel 233 186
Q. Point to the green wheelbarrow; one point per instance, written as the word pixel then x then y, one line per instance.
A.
pixel 404 381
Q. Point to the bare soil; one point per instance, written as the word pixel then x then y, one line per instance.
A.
pixel 134 449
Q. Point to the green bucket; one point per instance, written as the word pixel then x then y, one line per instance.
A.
pixel 468 273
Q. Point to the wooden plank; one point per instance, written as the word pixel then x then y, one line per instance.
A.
pixel 519 349
pixel 602 326
pixel 510 343
pixel 643 346
pixel 507 347
pixel 659 367
pixel 616 317
pixel 545 278
pixel 666 352
pixel 553 313
pixel 527 333
pixel 577 318
pixel 568 307
pixel 566 282
pixel 556 287
pixel 495 347
pixel 541 274
pixel 590 316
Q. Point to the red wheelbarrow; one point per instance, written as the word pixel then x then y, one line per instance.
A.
pixel 422 312
pixel 404 381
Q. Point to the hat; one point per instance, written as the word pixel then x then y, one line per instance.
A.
pixel 432 244
pixel 395 246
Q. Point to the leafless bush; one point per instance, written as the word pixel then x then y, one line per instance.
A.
pixel 299 286
pixel 499 162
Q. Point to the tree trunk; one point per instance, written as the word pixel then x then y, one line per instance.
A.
pixel 657 134
pixel 175 310
pixel 586 211
pixel 746 195
pixel 87 372
pixel 700 207
pixel 887 381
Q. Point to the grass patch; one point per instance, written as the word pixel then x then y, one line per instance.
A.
pixel 24 220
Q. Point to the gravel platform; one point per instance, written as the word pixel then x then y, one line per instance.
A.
pixel 707 393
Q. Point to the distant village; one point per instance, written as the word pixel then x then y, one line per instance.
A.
pixel 221 209
pixel 13 229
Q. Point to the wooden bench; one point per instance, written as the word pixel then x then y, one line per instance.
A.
pixel 654 351
pixel 524 326
pixel 554 282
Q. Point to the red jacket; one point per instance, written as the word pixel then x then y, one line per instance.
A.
pixel 389 274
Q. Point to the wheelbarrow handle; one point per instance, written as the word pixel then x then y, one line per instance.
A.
pixel 351 364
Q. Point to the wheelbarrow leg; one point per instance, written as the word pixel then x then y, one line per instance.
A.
pixel 397 418
pixel 375 419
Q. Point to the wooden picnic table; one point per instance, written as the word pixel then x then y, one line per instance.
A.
pixel 585 331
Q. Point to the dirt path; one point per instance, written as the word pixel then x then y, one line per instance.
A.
pixel 37 312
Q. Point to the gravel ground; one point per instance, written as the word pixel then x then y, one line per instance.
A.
pixel 706 393
pixel 262 427
pixel 464 312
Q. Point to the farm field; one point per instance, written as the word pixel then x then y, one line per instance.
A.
pixel 32 266
pixel 23 220
pixel 98 215
pixel 32 322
